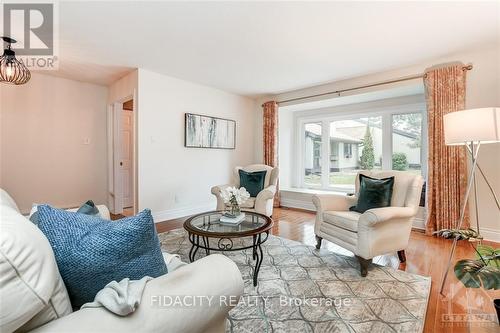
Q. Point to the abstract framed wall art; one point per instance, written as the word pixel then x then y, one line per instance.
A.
pixel 209 132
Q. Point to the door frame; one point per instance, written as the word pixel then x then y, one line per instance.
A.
pixel 113 144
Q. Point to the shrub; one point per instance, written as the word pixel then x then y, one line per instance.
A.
pixel 367 159
pixel 399 161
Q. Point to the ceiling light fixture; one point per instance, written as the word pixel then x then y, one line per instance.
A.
pixel 12 71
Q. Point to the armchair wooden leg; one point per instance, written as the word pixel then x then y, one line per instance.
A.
pixel 318 242
pixel 363 263
pixel 401 256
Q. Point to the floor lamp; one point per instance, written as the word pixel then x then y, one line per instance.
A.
pixel 472 128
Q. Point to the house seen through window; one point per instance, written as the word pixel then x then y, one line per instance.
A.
pixel 384 141
pixel 312 141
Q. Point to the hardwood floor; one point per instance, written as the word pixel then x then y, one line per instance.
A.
pixel 425 256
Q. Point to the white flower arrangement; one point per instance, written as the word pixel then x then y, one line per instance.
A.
pixel 234 196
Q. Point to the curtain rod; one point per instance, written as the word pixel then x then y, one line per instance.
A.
pixel 338 92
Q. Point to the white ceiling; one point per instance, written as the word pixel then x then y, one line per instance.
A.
pixel 258 48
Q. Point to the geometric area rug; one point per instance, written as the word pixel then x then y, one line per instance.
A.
pixel 301 289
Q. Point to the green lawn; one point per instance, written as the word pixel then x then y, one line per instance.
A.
pixel 344 178
pixel 312 179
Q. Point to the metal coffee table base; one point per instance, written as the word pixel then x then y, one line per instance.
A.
pixel 226 244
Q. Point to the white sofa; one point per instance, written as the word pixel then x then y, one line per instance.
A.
pixel 263 202
pixel 377 231
pixel 33 296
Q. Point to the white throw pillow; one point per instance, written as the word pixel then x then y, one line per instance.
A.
pixel 32 292
pixel 7 201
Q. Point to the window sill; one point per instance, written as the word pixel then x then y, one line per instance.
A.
pixel 313 191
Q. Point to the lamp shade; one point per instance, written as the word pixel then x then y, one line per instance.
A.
pixel 472 125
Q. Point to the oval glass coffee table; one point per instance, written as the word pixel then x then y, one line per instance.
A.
pixel 206 227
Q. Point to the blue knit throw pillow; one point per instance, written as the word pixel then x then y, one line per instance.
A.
pixel 91 252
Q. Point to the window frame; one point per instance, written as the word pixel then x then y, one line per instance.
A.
pixel 348 151
pixel 326 116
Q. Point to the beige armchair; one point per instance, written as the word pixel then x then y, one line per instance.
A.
pixel 375 232
pixel 263 203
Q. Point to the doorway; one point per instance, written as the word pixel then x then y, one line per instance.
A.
pixel 126 164
pixel 121 160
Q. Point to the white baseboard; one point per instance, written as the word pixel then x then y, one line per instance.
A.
pixel 300 204
pixel 176 213
pixel 419 220
pixel 490 234
pixel 418 223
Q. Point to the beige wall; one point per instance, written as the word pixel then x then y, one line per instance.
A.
pixel 175 181
pixel 483 89
pixel 286 151
pixel 123 88
pixel 43 158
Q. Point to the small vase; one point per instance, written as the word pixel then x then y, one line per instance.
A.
pixel 235 210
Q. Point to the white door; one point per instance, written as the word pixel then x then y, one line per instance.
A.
pixel 126 157
pixel 117 184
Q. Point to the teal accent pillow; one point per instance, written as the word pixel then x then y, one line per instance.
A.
pixel 87 208
pixel 253 182
pixel 91 252
pixel 373 193
pixel 34 218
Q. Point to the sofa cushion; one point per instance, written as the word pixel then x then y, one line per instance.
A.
pixel 343 219
pixel 32 291
pixel 91 252
pixel 249 203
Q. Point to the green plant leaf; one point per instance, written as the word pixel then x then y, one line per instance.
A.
pixel 490 255
pixel 474 273
pixel 463 234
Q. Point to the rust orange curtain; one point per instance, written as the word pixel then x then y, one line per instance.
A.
pixel 447 165
pixel 270 133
